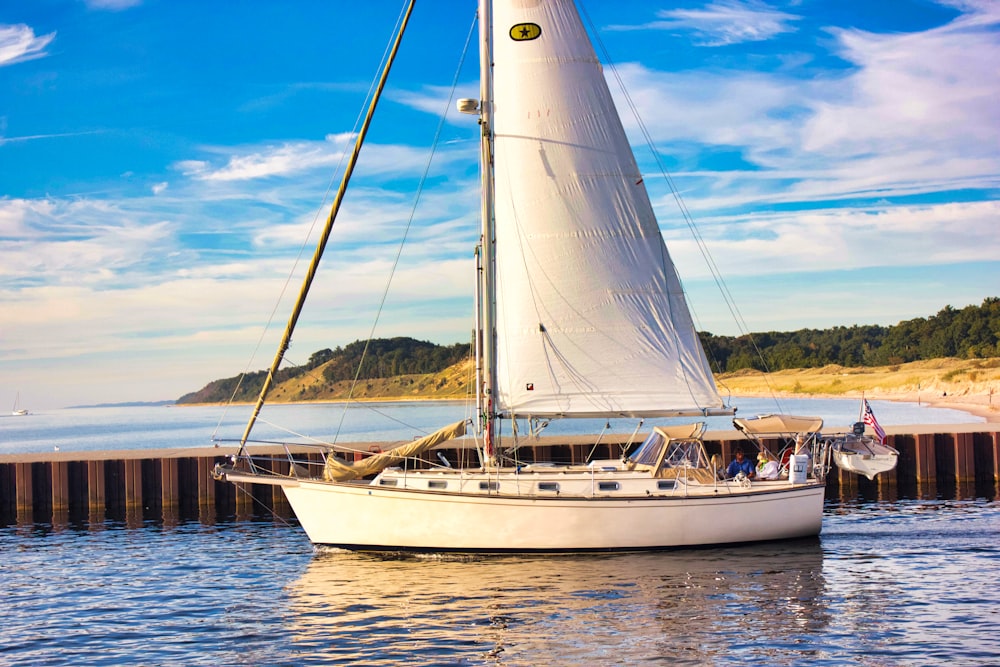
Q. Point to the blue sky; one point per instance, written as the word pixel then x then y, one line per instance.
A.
pixel 161 164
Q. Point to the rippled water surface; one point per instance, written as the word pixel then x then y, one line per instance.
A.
pixel 911 582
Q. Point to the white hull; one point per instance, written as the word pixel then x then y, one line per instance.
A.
pixel 366 517
pixel 865 464
pixel 864 456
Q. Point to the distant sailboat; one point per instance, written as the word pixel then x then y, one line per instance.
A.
pixel 16 411
pixel 580 314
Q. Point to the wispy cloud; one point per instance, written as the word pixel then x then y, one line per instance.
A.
pixel 18 43
pixel 876 236
pixel 882 168
pixel 936 88
pixel 721 23
pixel 112 5
pixel 914 115
pixel 35 137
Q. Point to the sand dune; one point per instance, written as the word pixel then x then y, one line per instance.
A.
pixel 972 385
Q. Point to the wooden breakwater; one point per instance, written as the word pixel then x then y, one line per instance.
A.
pixel 169 485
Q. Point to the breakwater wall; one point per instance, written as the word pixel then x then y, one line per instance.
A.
pixel 169 485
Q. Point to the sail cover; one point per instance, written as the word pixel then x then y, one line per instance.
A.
pixel 592 318
pixel 339 471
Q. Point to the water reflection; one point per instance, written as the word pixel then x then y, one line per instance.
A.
pixel 906 582
pixel 691 607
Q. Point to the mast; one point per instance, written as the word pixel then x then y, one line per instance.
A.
pixel 488 383
pixel 300 301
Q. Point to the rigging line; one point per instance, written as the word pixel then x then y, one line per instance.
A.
pixel 243 488
pixel 312 227
pixel 720 282
pixel 409 224
pixel 647 137
pixel 325 235
pixel 312 441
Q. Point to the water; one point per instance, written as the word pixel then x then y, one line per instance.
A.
pixel 113 428
pixel 910 582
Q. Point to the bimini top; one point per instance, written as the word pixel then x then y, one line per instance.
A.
pixel 778 424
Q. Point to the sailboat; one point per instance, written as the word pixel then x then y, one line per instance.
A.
pixel 16 411
pixel 579 314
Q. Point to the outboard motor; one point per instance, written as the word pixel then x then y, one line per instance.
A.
pixel 859 429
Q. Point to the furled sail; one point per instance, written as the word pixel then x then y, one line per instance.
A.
pixel 592 318
pixel 339 471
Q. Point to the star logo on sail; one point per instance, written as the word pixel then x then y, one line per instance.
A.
pixel 525 32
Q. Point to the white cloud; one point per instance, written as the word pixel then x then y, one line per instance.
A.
pixel 916 114
pixel 19 43
pixel 112 5
pixel 279 160
pixel 844 239
pixel 178 281
pixel 724 22
pixel 936 88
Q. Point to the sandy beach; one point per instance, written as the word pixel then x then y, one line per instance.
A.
pixel 972 385
pixel 985 406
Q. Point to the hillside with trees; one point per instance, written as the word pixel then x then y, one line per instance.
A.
pixel 408 368
pixel 403 367
pixel 970 333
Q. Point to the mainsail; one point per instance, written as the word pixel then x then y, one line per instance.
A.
pixel 592 318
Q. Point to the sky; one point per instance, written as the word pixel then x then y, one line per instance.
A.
pixel 163 165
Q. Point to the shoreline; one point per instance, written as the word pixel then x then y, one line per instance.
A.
pixel 980 406
pixel 984 406
pixel 976 405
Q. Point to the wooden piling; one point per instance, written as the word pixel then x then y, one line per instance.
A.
pixel 926 464
pixel 59 474
pixel 24 488
pixel 205 481
pixel 169 483
pixel 993 452
pixel 279 503
pixel 133 483
pixel 96 486
pixel 964 458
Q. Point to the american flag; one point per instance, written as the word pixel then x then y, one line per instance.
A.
pixel 869 419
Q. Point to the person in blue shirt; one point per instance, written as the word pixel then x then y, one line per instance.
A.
pixel 740 465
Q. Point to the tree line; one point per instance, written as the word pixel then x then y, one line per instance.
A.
pixel 384 357
pixel 387 357
pixel 972 332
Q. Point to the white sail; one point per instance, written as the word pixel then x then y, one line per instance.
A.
pixel 592 318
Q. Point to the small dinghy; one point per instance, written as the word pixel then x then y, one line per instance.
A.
pixel 862 454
